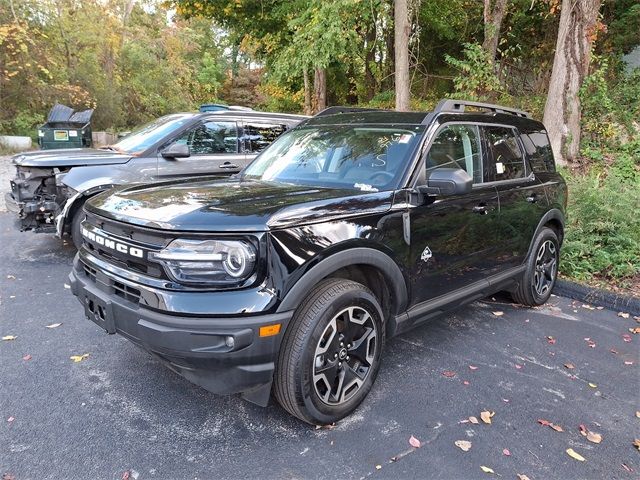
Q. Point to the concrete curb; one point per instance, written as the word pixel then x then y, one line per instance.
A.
pixel 594 296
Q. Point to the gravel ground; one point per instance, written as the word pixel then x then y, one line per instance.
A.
pixel 119 414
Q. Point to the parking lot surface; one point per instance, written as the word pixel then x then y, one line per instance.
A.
pixel 118 413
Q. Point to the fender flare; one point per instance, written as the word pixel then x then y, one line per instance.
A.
pixel 553 214
pixel 352 256
pixel 70 206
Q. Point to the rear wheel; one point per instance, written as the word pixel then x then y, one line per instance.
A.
pixel 539 278
pixel 330 355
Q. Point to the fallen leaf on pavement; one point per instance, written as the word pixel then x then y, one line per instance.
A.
pixel 11 277
pixel 635 330
pixel 569 366
pixel 10 419
pixel 465 382
pixel 7 338
pixel 594 437
pixel 636 443
pixel 67 286
pixel 472 367
pixel 575 455
pixel 79 358
pixel 551 340
pixel 53 325
pixel 522 476
pixel 623 314
pixel 378 467
pixel 518 366
pixel 27 357
pixel 449 373
pixel 547 423
pixel 506 452
pixel 8 476
pixel 498 314
pixel 126 475
pixel 486 469
pixel 463 445
pixel 628 362
pixel 414 442
pixel 593 385
pixel 473 420
pixel 638 414
pixel 486 416
pixel 627 467
pixel 588 307
pixel 626 337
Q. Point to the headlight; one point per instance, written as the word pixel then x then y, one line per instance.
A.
pixel 211 262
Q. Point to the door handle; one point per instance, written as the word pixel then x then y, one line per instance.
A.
pixel 480 209
pixel 228 165
pixel 533 198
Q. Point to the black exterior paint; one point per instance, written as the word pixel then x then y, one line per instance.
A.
pixel 308 233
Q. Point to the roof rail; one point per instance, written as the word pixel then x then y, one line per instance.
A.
pixel 458 106
pixel 336 110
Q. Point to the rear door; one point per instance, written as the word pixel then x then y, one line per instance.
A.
pixel 452 237
pixel 522 197
pixel 258 134
pixel 215 150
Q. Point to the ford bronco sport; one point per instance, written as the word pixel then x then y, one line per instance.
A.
pixel 50 187
pixel 355 226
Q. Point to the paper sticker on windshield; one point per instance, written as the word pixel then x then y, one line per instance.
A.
pixel 406 138
pixel 364 187
pixel 499 168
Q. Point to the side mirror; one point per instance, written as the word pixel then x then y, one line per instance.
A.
pixel 447 181
pixel 176 150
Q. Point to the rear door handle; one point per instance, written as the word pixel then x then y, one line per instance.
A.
pixel 228 165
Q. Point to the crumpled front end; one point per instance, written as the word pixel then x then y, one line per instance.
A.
pixel 37 197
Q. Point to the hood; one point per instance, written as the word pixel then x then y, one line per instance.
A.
pixel 71 157
pixel 233 205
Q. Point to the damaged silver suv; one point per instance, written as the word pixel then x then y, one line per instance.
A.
pixel 51 187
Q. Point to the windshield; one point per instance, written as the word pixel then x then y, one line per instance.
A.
pixel 152 132
pixel 367 158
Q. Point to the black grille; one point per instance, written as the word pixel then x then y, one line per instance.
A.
pixel 126 292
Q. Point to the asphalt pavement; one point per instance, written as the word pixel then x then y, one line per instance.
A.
pixel 119 414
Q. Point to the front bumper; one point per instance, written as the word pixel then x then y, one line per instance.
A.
pixel 34 214
pixel 196 347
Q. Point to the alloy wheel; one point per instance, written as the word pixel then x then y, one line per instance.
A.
pixel 344 355
pixel 545 268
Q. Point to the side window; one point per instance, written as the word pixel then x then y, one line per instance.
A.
pixel 506 156
pixel 258 136
pixel 536 144
pixel 457 146
pixel 211 138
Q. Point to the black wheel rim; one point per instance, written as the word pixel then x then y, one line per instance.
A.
pixel 345 355
pixel 546 268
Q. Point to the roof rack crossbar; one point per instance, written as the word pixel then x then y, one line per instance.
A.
pixel 337 109
pixel 458 106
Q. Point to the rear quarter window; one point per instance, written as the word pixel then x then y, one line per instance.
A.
pixel 538 149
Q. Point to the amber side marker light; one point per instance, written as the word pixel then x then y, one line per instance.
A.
pixel 270 330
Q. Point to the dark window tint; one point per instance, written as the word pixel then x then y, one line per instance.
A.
pixel 211 138
pixel 506 156
pixel 457 146
pixel 258 136
pixel 536 145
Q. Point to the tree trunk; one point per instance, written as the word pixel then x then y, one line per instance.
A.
pixel 578 19
pixel 320 89
pixel 370 58
pixel 402 31
pixel 307 93
pixel 493 15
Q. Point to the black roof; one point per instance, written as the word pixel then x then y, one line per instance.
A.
pixel 369 117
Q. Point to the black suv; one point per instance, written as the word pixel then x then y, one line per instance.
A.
pixel 353 227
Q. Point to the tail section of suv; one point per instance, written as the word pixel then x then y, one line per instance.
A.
pixel 350 228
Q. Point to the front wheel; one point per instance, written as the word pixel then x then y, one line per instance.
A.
pixel 76 229
pixel 330 355
pixel 541 272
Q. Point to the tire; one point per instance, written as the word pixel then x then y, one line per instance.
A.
pixel 307 378
pixel 539 278
pixel 76 220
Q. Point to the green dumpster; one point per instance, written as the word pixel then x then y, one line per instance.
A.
pixel 65 129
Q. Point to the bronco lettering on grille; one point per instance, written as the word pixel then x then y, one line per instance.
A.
pixel 112 244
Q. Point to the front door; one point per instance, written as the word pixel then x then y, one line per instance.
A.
pixel 215 150
pixel 452 238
